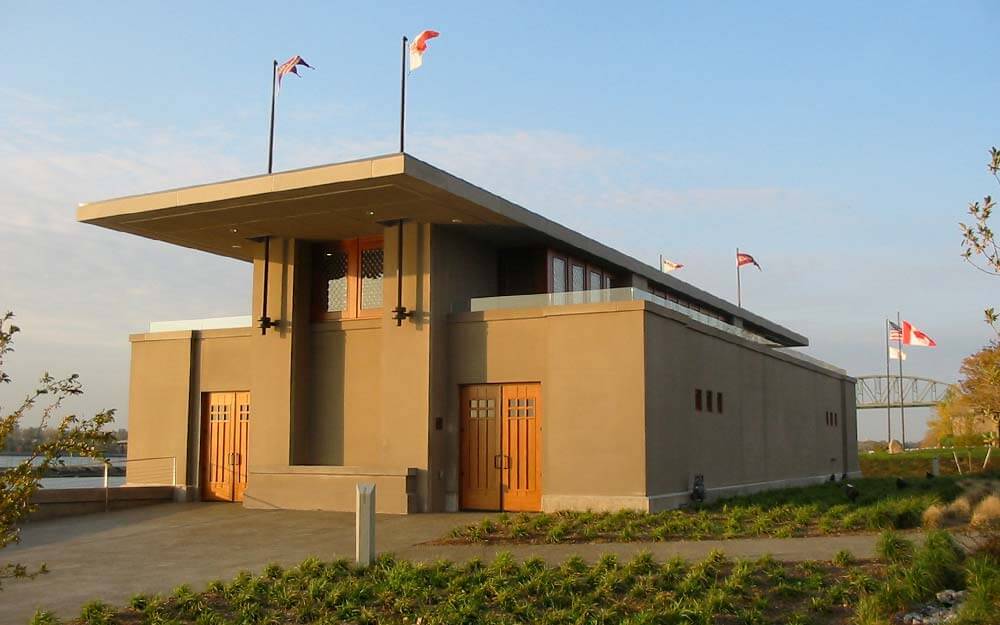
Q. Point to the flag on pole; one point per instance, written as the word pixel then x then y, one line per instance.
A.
pixel 291 67
pixel 419 46
pixel 895 332
pixel 913 336
pixel 742 258
pixel 896 353
pixel 666 266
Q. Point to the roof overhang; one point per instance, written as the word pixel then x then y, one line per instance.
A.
pixel 353 199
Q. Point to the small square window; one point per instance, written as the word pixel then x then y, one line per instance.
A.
pixel 697 399
pixel 708 401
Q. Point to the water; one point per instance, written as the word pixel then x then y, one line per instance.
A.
pixel 72 482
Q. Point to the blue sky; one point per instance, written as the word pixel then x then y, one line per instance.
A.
pixel 839 145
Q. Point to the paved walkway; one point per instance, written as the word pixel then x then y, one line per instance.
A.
pixel 155 549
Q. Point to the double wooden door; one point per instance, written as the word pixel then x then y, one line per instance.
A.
pixel 501 447
pixel 225 438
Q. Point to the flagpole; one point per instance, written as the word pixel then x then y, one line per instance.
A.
pixel 402 97
pixel 888 388
pixel 902 410
pixel 270 141
pixel 739 287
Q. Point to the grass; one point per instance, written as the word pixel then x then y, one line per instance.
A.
pixel 715 590
pixel 917 462
pixel 640 591
pixel 812 510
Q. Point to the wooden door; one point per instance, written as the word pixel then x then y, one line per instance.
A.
pixel 480 447
pixel 241 444
pixel 520 427
pixel 500 447
pixel 225 433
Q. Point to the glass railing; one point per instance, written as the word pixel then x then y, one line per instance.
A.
pixel 215 323
pixel 623 294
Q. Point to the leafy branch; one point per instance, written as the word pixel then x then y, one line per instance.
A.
pixel 73 436
pixel 979 246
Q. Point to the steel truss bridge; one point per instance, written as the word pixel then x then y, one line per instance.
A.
pixel 880 391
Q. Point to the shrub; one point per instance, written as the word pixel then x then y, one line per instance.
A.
pixel 44 617
pixel 893 548
pixel 96 613
pixel 843 558
pixel 959 510
pixel 986 513
pixel 933 517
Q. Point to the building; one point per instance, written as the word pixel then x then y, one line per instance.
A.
pixel 461 352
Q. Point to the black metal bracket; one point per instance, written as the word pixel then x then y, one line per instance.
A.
pixel 265 321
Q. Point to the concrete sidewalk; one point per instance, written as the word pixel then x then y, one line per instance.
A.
pixel 155 549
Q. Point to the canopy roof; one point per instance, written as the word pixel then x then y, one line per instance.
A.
pixel 353 199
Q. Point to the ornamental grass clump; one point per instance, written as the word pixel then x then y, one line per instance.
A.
pixel 812 510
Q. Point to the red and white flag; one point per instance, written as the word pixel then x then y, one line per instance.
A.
pixel 742 258
pixel 666 266
pixel 419 46
pixel 290 67
pixel 913 336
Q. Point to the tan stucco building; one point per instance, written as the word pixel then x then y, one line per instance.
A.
pixel 461 352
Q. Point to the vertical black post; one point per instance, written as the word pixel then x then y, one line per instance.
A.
pixel 888 388
pixel 402 97
pixel 270 141
pixel 739 293
pixel 399 312
pixel 902 409
pixel 265 321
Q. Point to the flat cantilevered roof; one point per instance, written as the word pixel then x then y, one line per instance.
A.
pixel 353 199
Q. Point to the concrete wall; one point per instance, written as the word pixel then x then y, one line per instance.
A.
pixel 169 372
pixel 772 430
pixel 588 360
pixel 346 392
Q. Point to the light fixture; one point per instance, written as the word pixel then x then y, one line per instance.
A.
pixel 234 230
pixel 236 246
pixel 371 213
pixel 329 253
pixel 456 221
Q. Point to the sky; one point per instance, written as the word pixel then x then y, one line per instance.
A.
pixel 840 145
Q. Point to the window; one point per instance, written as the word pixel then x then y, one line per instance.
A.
pixel 558 274
pixel 697 399
pixel 371 278
pixel 708 400
pixel 595 280
pixel 577 277
pixel 347 279
pixel 607 281
pixel 718 403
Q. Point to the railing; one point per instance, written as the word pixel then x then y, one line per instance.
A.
pixel 599 296
pixel 214 323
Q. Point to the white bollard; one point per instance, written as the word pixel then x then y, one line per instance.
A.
pixel 936 466
pixel 364 527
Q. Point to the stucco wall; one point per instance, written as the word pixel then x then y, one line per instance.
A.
pixel 169 372
pixel 772 429
pixel 345 393
pixel 159 394
pixel 588 360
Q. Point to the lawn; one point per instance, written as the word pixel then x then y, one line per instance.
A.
pixel 715 591
pixel 917 462
pixel 813 510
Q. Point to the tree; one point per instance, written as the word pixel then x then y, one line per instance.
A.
pixel 979 388
pixel 69 435
pixel 979 247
